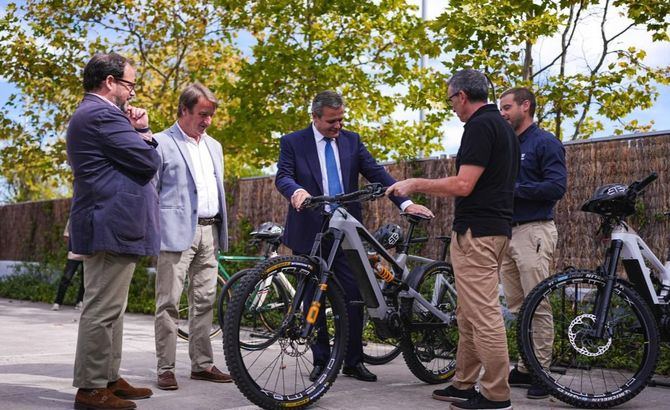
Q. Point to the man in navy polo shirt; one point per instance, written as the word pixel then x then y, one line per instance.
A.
pixel 540 184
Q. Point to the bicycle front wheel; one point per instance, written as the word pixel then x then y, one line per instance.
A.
pixel 183 312
pixel 429 343
pixel 276 374
pixel 556 341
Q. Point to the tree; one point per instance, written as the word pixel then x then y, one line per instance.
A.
pixel 45 46
pixel 366 50
pixel 500 37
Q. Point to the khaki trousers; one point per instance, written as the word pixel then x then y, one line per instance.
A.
pixel 99 341
pixel 482 341
pixel 527 262
pixel 199 262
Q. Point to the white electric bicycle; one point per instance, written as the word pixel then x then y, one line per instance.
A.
pixel 590 337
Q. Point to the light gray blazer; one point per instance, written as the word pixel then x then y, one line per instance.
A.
pixel 177 194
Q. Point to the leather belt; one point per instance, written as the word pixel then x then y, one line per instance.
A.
pixel 209 221
pixel 515 224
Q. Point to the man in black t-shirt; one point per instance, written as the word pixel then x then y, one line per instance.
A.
pixel 487 165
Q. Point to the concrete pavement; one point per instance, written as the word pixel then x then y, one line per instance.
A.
pixel 37 354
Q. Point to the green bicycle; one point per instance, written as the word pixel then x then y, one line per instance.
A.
pixel 266 236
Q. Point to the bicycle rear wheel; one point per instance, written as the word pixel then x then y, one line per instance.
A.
pixel 576 367
pixel 276 374
pixel 428 344
pixel 182 321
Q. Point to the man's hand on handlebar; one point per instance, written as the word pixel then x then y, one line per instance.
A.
pixel 417 209
pixel 298 198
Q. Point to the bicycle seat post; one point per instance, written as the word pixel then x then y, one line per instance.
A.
pixel 408 239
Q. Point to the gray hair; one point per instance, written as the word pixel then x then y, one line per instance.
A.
pixel 189 97
pixel 329 99
pixel 472 82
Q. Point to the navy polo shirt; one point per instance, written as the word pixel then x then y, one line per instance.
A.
pixel 542 178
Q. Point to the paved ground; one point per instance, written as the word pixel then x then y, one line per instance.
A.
pixel 37 352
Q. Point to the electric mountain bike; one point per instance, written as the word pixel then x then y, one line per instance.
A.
pixel 592 338
pixel 272 296
pixel 404 306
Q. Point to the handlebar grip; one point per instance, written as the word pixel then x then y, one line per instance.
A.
pixel 648 180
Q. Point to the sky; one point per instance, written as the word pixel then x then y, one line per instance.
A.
pixel 657 55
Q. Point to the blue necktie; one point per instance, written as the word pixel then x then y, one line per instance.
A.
pixel 334 186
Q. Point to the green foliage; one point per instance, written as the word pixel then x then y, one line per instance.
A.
pixel 266 60
pixel 498 37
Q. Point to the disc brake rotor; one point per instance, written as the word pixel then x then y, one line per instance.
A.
pixel 581 341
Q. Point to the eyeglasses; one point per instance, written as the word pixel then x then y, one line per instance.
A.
pixel 454 95
pixel 130 85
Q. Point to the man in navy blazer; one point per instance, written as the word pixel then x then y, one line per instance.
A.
pixel 113 221
pixel 302 172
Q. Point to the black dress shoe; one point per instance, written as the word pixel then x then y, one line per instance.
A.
pixel 359 372
pixel 316 372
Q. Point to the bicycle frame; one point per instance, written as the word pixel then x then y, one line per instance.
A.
pixel 348 234
pixel 634 253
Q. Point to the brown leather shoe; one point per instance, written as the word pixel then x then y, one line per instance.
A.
pixel 100 399
pixel 215 375
pixel 122 389
pixel 167 381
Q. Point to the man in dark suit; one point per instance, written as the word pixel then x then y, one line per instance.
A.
pixel 113 221
pixel 325 159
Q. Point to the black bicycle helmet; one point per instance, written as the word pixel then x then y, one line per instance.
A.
pixel 610 200
pixel 389 236
pixel 268 230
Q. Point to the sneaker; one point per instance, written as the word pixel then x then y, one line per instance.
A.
pixel 79 305
pixel 55 306
pixel 519 379
pixel 453 394
pixel 480 402
pixel 537 391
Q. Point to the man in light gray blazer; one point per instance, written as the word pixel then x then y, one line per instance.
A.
pixel 193 227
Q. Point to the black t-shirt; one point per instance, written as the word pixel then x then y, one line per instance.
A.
pixel 488 141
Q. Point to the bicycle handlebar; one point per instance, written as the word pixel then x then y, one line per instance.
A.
pixel 368 193
pixel 637 186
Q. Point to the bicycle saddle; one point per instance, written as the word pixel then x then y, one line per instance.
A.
pixel 414 218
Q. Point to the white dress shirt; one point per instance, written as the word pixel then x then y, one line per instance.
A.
pixel 203 174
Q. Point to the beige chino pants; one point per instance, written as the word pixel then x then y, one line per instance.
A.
pixel 99 341
pixel 482 341
pixel 200 264
pixel 527 262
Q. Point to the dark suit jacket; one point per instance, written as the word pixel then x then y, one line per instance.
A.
pixel 298 167
pixel 115 206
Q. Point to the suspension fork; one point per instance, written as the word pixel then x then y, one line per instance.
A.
pixel 326 273
pixel 603 300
